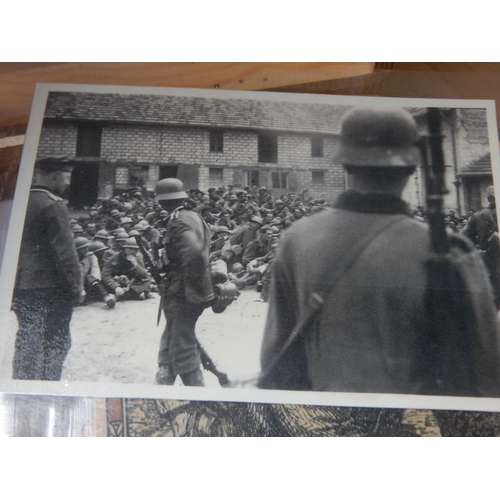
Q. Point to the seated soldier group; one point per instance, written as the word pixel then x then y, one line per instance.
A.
pixel 246 225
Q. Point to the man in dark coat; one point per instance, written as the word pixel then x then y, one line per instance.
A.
pixel 48 276
pixel 482 230
pixel 188 289
pixel 358 272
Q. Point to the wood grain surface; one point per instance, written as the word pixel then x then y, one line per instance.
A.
pixel 17 81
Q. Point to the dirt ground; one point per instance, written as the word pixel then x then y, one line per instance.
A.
pixel 121 345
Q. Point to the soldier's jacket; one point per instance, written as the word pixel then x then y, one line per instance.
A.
pixel 482 229
pixel 48 258
pixel 366 335
pixel 243 235
pixel 187 244
pixel 118 265
pixel 256 248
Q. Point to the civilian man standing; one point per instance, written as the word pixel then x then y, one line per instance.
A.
pixel 188 289
pixel 48 276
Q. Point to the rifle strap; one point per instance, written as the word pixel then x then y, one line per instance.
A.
pixel 322 291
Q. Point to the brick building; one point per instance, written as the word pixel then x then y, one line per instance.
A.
pixel 120 141
pixel 466 151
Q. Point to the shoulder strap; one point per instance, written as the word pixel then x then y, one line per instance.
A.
pixel 321 291
pixel 52 196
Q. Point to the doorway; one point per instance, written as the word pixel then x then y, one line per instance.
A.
pixel 84 186
pixel 167 171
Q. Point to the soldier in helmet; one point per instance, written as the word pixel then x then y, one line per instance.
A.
pixel 91 273
pixel 124 276
pixel 188 290
pixel 352 279
pixel 247 232
pixel 48 276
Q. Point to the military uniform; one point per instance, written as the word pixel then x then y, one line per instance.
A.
pixel 482 229
pixel 47 284
pixel 371 307
pixel 245 234
pixel 368 332
pixel 255 249
pixel 187 293
pixel 119 265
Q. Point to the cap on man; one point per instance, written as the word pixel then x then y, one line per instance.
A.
pixel 48 276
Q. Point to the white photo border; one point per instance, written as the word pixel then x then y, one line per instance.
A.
pixel 70 388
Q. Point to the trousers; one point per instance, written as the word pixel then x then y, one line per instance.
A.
pixel 43 339
pixel 178 345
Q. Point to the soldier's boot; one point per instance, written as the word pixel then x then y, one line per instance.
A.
pixel 165 375
pixel 194 378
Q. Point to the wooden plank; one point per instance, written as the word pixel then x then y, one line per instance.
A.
pixel 17 86
pixel 476 67
pixel 419 83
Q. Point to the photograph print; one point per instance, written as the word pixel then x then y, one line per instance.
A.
pixel 253 246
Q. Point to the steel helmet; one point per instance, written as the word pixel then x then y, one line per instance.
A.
pixel 130 243
pixel 102 234
pixel 170 189
pixel 237 267
pixel 121 236
pixel 97 246
pixel 81 242
pixel 378 137
pixel 257 219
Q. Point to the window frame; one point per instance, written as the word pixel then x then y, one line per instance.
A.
pixel 281 178
pixel 267 148
pixel 317 146
pixel 316 173
pixel 88 140
pixel 216 141
pixel 217 178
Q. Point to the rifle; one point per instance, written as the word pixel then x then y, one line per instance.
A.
pixel 451 323
pixel 435 184
pixel 206 361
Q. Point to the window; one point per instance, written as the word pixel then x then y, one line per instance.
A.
pixel 88 140
pixel 317 147
pixel 138 175
pixel 216 175
pixel 252 178
pixel 318 176
pixel 268 148
pixel 216 141
pixel 280 180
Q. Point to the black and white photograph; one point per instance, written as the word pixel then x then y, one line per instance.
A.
pixel 256 247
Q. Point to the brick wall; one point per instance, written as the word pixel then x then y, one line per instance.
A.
pixel 472 136
pixel 57 139
pixel 121 178
pixel 160 145
pixel 469 144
